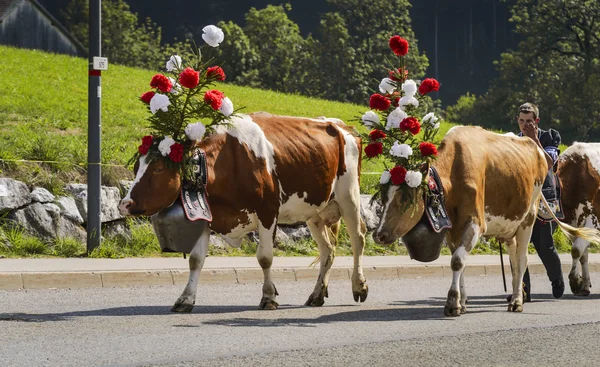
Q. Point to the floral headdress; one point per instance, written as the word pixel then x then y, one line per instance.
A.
pixel 398 136
pixel 183 107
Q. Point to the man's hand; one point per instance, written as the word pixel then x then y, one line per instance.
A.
pixel 531 130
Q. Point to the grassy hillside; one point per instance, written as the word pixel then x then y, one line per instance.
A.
pixel 43 115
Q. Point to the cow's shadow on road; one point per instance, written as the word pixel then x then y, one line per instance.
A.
pixel 401 310
pixel 121 311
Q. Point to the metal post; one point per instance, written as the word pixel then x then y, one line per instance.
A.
pixel 94 123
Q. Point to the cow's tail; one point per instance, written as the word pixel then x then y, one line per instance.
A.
pixel 588 234
pixel 333 232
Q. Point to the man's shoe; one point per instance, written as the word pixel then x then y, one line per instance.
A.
pixel 558 287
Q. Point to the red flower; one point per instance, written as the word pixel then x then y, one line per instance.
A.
pixel 377 134
pixel 429 85
pixel 399 45
pixel 412 124
pixel 374 149
pixel 398 174
pixel 161 82
pixel 176 153
pixel 215 72
pixel 379 102
pixel 146 144
pixel 147 97
pixel 394 73
pixel 214 98
pixel 189 78
pixel 427 149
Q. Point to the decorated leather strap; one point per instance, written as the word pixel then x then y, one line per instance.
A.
pixel 194 192
pixel 435 207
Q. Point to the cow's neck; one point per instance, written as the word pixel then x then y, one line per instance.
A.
pixel 443 167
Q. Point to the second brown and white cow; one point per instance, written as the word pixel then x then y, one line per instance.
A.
pixel 266 170
pixel 492 187
pixel 579 173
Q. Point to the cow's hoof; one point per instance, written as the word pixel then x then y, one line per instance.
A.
pixel 463 310
pixel 582 293
pixel 182 307
pixel 362 294
pixel 452 311
pixel 267 304
pixel 576 284
pixel 515 307
pixel 315 301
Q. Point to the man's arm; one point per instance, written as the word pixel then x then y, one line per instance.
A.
pixel 531 131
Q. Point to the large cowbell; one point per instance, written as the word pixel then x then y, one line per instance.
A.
pixel 174 231
pixel 422 242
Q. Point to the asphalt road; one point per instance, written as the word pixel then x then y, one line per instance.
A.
pixel 401 323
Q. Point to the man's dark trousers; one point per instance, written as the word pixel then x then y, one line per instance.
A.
pixel 544 245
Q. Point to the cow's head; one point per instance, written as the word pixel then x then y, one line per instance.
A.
pixel 402 209
pixel 403 216
pixel 155 187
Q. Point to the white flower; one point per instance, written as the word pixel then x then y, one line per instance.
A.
pixel 406 100
pixel 226 106
pixel 385 177
pixel 159 102
pixel 414 178
pixel 212 35
pixel 429 119
pixel 370 118
pixel 401 150
pixel 195 131
pixel 395 118
pixel 409 88
pixel 165 146
pixel 176 86
pixel 387 85
pixel 174 63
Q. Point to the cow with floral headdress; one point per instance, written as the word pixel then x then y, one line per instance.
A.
pixel 243 172
pixel 475 183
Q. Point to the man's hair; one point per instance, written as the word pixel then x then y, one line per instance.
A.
pixel 529 108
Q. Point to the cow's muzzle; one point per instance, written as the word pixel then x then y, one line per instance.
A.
pixel 383 237
pixel 125 206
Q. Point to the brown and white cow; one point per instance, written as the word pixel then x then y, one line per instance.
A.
pixel 492 186
pixel 579 173
pixel 262 171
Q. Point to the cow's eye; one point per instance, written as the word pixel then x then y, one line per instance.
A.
pixel 156 170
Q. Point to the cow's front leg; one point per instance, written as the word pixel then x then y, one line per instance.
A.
pixel 579 277
pixel 455 306
pixel 264 254
pixel 185 302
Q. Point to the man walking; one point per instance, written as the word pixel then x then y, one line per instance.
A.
pixel 528 119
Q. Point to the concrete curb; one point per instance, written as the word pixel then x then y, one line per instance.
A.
pixel 125 278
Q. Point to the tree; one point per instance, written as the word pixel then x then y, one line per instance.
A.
pixel 370 25
pixel 338 75
pixel 557 66
pixel 239 57
pixel 277 40
pixel 125 40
